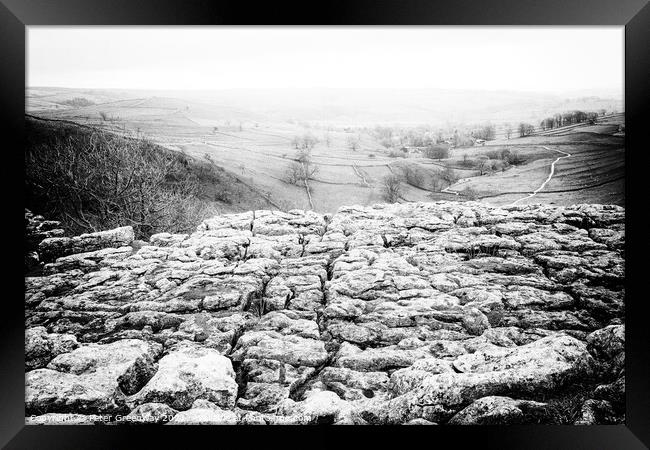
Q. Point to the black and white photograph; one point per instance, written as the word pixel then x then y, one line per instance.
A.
pixel 334 225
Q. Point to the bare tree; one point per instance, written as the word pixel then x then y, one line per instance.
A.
pixel 308 141
pixel 294 173
pixel 525 129
pixel 484 165
pixel 309 170
pixel 392 187
pixel 301 169
pixel 353 142
pixel 305 142
pixel 436 183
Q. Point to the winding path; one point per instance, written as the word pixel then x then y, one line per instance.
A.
pixel 550 175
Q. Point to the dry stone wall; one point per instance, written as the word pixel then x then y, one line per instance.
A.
pixel 413 313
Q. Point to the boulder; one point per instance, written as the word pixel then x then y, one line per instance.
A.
pixel 290 349
pixel 475 322
pixel 41 346
pixel 188 373
pixel 542 366
pixel 377 359
pixel 51 248
pixel 614 392
pixel 93 378
pixel 354 385
pixel 608 346
pixel 263 397
pixel 404 380
pixel 151 413
pixel 320 407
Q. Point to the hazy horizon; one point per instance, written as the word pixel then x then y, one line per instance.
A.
pixel 560 61
pixel 563 94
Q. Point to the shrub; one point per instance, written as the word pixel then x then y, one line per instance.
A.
pixel 437 152
pixel 386 142
pixel 93 180
pixel 470 193
pixel 493 154
pixel 412 175
pixel 449 175
pixel 515 158
pixel 467 162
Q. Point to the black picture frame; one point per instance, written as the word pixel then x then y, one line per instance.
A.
pixel 15 15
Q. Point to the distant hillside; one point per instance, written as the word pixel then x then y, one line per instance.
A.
pixel 90 179
pixel 346 107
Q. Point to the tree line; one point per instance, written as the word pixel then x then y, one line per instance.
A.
pixel 570 118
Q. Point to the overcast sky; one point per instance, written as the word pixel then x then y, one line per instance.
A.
pixel 543 59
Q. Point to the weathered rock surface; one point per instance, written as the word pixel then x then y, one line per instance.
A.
pixel 94 378
pixel 36 230
pixel 542 366
pixel 415 313
pixel 41 347
pixel 190 373
pixel 151 413
pixel 496 411
pixel 55 247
